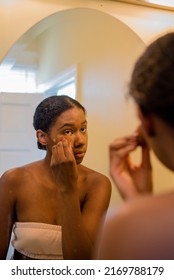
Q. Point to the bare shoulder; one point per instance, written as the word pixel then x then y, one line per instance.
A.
pixel 141 229
pixel 94 178
pixel 11 176
pixel 15 176
pixel 96 185
pixel 149 208
pixel 8 185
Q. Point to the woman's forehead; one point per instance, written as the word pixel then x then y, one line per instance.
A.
pixel 71 116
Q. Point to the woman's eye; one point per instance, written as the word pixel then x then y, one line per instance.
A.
pixel 68 132
pixel 83 130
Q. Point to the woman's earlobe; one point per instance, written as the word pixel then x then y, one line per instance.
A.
pixel 41 137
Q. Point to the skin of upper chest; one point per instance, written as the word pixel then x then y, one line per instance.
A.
pixel 38 197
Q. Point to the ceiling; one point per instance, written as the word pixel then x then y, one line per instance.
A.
pixel 23 53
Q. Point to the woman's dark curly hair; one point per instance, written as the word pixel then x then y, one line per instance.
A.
pixel 152 81
pixel 49 109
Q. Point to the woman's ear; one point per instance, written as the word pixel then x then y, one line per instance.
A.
pixel 41 137
pixel 147 121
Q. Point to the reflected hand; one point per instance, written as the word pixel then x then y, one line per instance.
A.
pixel 130 179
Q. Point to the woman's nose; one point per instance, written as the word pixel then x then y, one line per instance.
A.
pixel 79 139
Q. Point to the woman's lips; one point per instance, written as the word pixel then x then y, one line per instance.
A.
pixel 79 154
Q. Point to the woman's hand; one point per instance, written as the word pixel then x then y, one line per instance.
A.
pixel 64 165
pixel 130 179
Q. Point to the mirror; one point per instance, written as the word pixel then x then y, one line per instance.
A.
pixel 103 49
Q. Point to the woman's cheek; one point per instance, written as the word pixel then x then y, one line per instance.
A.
pixel 60 138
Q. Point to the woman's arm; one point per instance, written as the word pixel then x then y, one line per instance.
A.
pixel 7 213
pixel 79 226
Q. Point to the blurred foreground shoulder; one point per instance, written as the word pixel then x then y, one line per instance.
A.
pixel 141 229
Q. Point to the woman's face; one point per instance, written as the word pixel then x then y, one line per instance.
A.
pixel 71 124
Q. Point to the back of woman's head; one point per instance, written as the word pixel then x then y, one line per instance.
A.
pixel 50 109
pixel 152 81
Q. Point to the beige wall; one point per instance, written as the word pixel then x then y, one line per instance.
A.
pixel 17 16
pixel 105 52
pixel 105 57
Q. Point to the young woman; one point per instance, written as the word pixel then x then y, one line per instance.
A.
pixel 56 204
pixel 144 227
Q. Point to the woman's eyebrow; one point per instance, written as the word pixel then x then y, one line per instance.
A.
pixel 66 124
pixel 71 124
